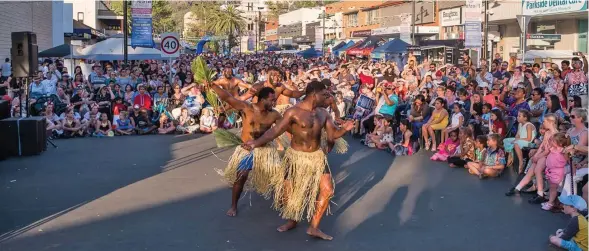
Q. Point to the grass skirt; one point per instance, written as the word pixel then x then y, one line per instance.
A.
pixel 266 171
pixel 303 172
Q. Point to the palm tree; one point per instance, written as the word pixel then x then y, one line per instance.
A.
pixel 228 22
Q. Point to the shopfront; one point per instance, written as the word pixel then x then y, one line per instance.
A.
pixel 452 22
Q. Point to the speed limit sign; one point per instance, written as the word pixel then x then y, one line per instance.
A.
pixel 170 45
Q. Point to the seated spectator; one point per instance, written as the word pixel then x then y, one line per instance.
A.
pixel 118 107
pixel 457 121
pixel 537 105
pixel 572 102
pixel 72 127
pixel 513 105
pixel 497 125
pixel 419 114
pixel 553 107
pixel 193 100
pixel 129 94
pixel 143 99
pixel 402 146
pixel 104 127
pixel 186 124
pixel 574 236
pixel 538 162
pixel 54 127
pixel 448 148
pixel 480 150
pixel 493 161
pixel 437 121
pixel 103 98
pixel 467 149
pixel 143 123
pixel 165 125
pixel 523 138
pixel 223 122
pixel 493 97
pixel 124 125
pixel 208 122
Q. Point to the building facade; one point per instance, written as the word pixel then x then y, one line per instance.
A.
pixel 271 31
pixel 44 18
pixel 554 25
pixel 97 15
pixel 293 24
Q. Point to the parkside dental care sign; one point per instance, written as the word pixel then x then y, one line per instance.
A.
pixel 545 7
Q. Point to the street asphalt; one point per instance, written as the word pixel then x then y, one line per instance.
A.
pixel 164 193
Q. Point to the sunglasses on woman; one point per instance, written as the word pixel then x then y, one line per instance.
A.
pixel 571 100
pixel 573 116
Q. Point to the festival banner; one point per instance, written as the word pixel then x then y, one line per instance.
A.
pixel 141 24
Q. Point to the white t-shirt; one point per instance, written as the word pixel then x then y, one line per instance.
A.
pixel 456 119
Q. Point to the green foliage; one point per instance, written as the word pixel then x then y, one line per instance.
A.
pixel 225 138
pixel 202 73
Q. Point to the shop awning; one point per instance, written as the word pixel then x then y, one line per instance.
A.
pixel 343 48
pixel 310 53
pixel 340 45
pixel 57 51
pixel 272 48
pixel 366 47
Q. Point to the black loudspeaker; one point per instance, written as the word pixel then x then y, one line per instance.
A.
pixel 25 61
pixel 4 109
pixel 23 136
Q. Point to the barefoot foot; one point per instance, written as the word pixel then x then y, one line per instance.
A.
pixel 232 212
pixel 287 226
pixel 318 234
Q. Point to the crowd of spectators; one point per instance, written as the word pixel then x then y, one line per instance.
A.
pixel 478 116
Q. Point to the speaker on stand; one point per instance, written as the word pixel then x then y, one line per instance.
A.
pixel 24 53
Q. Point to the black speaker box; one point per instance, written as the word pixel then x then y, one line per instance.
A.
pixel 23 136
pixel 4 109
pixel 25 61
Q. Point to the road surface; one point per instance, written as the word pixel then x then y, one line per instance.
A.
pixel 163 193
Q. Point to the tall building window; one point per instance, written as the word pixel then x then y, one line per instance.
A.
pixel 250 27
pixel 372 17
pixel 352 20
pixel 250 6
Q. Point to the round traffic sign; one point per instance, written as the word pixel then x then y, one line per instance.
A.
pixel 170 45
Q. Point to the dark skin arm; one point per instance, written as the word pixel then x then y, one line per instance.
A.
pixel 252 92
pixel 289 93
pixel 227 97
pixel 333 132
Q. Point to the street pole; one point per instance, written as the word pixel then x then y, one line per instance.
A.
pixel 125 32
pixel 486 33
pixel 323 40
pixel 259 28
pixel 413 22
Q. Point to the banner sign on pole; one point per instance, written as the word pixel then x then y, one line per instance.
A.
pixel 318 38
pixel 141 24
pixel 472 35
pixel 473 10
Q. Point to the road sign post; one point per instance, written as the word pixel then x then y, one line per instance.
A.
pixel 523 22
pixel 170 48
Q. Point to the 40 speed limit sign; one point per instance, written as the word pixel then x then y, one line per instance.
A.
pixel 170 45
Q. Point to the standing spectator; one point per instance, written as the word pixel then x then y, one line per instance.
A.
pixel 566 68
pixel 576 80
pixel 517 78
pixel 6 69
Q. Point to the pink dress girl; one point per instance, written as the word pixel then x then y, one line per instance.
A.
pixel 447 149
pixel 555 173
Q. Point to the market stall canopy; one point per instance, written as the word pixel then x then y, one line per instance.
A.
pixel 273 48
pixel 112 49
pixel 310 53
pixel 340 45
pixel 366 47
pixel 393 46
pixel 59 51
pixel 343 48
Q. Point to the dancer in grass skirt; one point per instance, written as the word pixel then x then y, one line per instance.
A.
pixel 307 186
pixel 262 166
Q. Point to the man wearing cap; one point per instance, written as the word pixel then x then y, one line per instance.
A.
pixel 574 236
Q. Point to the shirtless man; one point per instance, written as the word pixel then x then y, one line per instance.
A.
pixel 229 83
pixel 274 82
pixel 308 185
pixel 265 162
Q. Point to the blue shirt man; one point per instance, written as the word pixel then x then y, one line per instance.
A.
pixel 391 100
